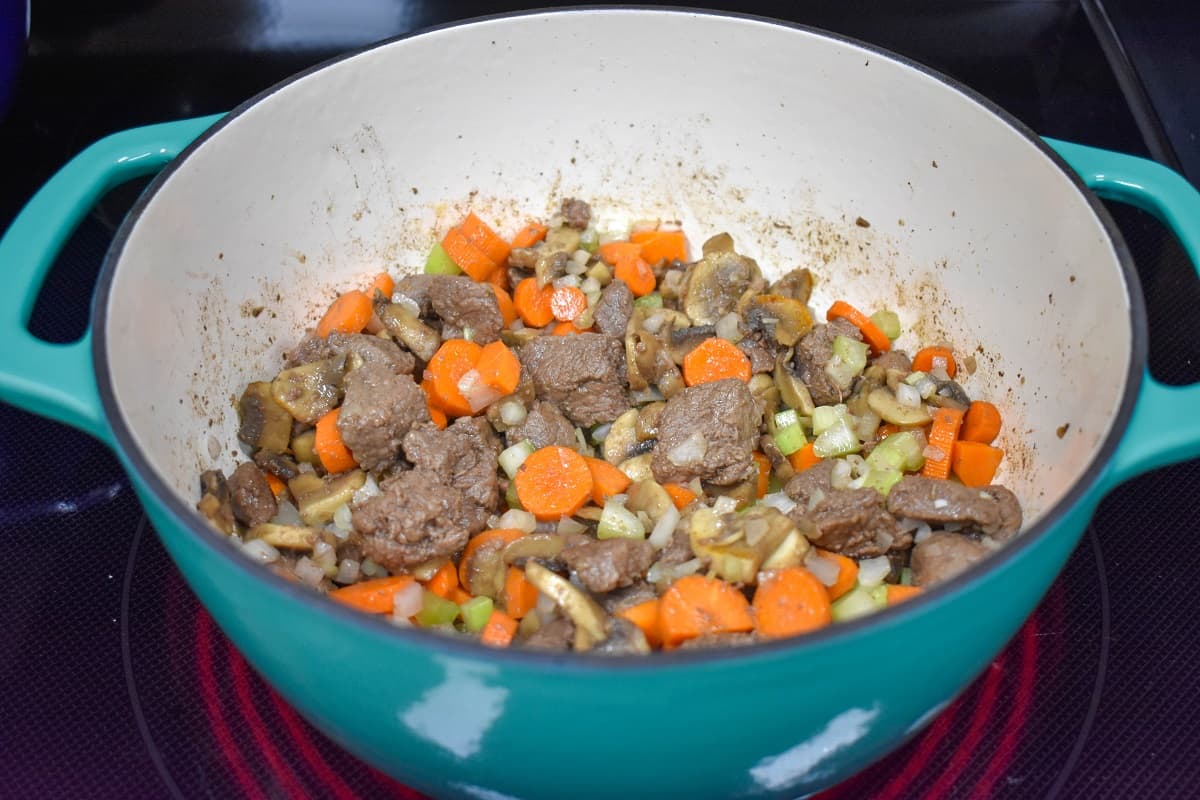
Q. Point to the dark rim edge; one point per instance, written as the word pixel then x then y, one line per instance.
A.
pixel 430 642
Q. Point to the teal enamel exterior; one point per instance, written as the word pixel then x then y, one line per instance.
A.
pixel 455 720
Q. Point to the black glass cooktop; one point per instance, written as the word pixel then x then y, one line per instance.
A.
pixel 114 683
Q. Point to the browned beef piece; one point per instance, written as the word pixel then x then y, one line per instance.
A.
pixel 310 348
pixel 417 288
pixel 215 502
pixel 813 353
pixel 544 425
pixel 576 213
pixel 253 501
pixel 761 355
pixel 941 556
pixel 893 359
pixel 463 303
pixel 713 640
pixel 604 565
pixel 614 309
pixel 417 517
pixel 853 522
pixel 817 479
pixel 992 510
pixel 678 550
pixel 463 456
pixel 626 597
pixel 360 348
pixel 279 465
pixel 583 375
pixel 721 418
pixel 557 634
pixel 379 409
pixel 797 285
pixel 523 257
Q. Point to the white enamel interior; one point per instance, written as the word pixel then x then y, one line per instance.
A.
pixel 780 136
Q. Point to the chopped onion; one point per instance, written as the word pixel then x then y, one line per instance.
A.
pixel 907 395
pixel 581 255
pixel 826 570
pixel 600 432
pixel 261 551
pixel 922 532
pixel 814 499
pixel 308 572
pixel 576 268
pixel 477 393
pixel 546 608
pixel 325 556
pixel 659 573
pixel 690 451
pixel 933 453
pixel 512 412
pixel 872 571
pixel 518 519
pixel 590 285
pixel 513 457
pixel 286 514
pixel 566 282
pixel 940 502
pixel 649 395
pixel 407 602
pixel 840 477
pixel 368 490
pixel 728 328
pixel 654 322
pixel 372 570
pixel 779 501
pixel 939 372
pixel 348 571
pixel 568 526
pixel 341 517
pixel 664 529
pixel 724 505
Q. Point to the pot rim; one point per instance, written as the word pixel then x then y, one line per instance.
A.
pixel 435 644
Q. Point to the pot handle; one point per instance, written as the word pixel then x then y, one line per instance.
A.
pixel 58 380
pixel 1165 427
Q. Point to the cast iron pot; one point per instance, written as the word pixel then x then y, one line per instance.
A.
pixel 980 233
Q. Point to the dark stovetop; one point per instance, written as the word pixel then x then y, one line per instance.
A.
pixel 116 684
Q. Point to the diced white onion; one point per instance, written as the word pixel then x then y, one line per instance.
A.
pixel 826 570
pixel 477 393
pixel 575 268
pixel 518 519
pixel 261 551
pixel 512 412
pixel 664 529
pixel 368 490
pixel 600 433
pixel 779 501
pixel 546 608
pixel 724 505
pixel 654 322
pixel 933 453
pixel 840 477
pixel 341 517
pixel 348 571
pixel 590 286
pixel 872 571
pixel 659 573
pixel 648 395
pixel 513 457
pixel 566 282
pixel 922 532
pixel 815 498
pixel 286 514
pixel 308 572
pixel 727 328
pixel 941 502
pixel 939 372
pixel 907 395
pixel 690 451
pixel 568 526
pixel 372 570
pixel 407 602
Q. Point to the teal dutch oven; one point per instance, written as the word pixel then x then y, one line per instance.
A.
pixel 980 234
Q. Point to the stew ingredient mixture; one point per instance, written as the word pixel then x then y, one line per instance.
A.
pixel 573 441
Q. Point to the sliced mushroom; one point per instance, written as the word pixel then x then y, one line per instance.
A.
pixel 304 449
pixel 519 338
pixel 950 395
pixel 783 318
pixel 536 545
pixel 649 496
pixel 622 436
pixel 638 467
pixel 647 421
pixel 719 281
pixel 265 425
pixel 317 498
pixel 592 625
pixel 766 393
pixel 485 570
pixel 682 341
pixel 310 391
pixel 739 543
pixel 792 390
pixel 641 358
pixel 216 503
pixel 885 404
pixel 285 537
pixel 797 285
pixel 552 254
pixel 624 638
pixel 403 324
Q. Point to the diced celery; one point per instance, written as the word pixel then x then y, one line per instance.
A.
pixel 825 417
pixel 436 610
pixel 888 322
pixel 652 300
pixel 849 359
pixel 618 522
pixel 881 479
pixel 906 576
pixel 901 451
pixel 922 383
pixel 513 457
pixel 789 434
pixel 440 263
pixel 475 613
pixel 879 595
pixel 589 240
pixel 837 440
pixel 858 602
pixel 510 497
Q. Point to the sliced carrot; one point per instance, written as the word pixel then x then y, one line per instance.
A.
pixel 533 304
pixel 803 458
pixel 486 240
pixel 373 596
pixel 981 423
pixel 504 536
pixel 643 236
pixel 520 596
pixel 942 436
pixel 637 275
pixel 896 593
pixel 645 616
pixel 455 358
pixel 328 444
pixel 566 329
pixel 715 359
pixel 444 581
pixel 847 573
pixel 567 303
pixel 665 246
pixel 499 277
pixel 469 258
pixel 680 495
pixel 790 602
pixel 436 413
pixel 764 473
pixel 383 283
pixel 975 463
pixel 876 338
pixel 607 480
pixel 504 300
pixel 928 358
pixel 350 313
pixel 614 253
pixel 553 482
pixel 498 367
pixel 459 595
pixel 530 235
pixel 278 487
pixel 695 605
pixel 499 630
